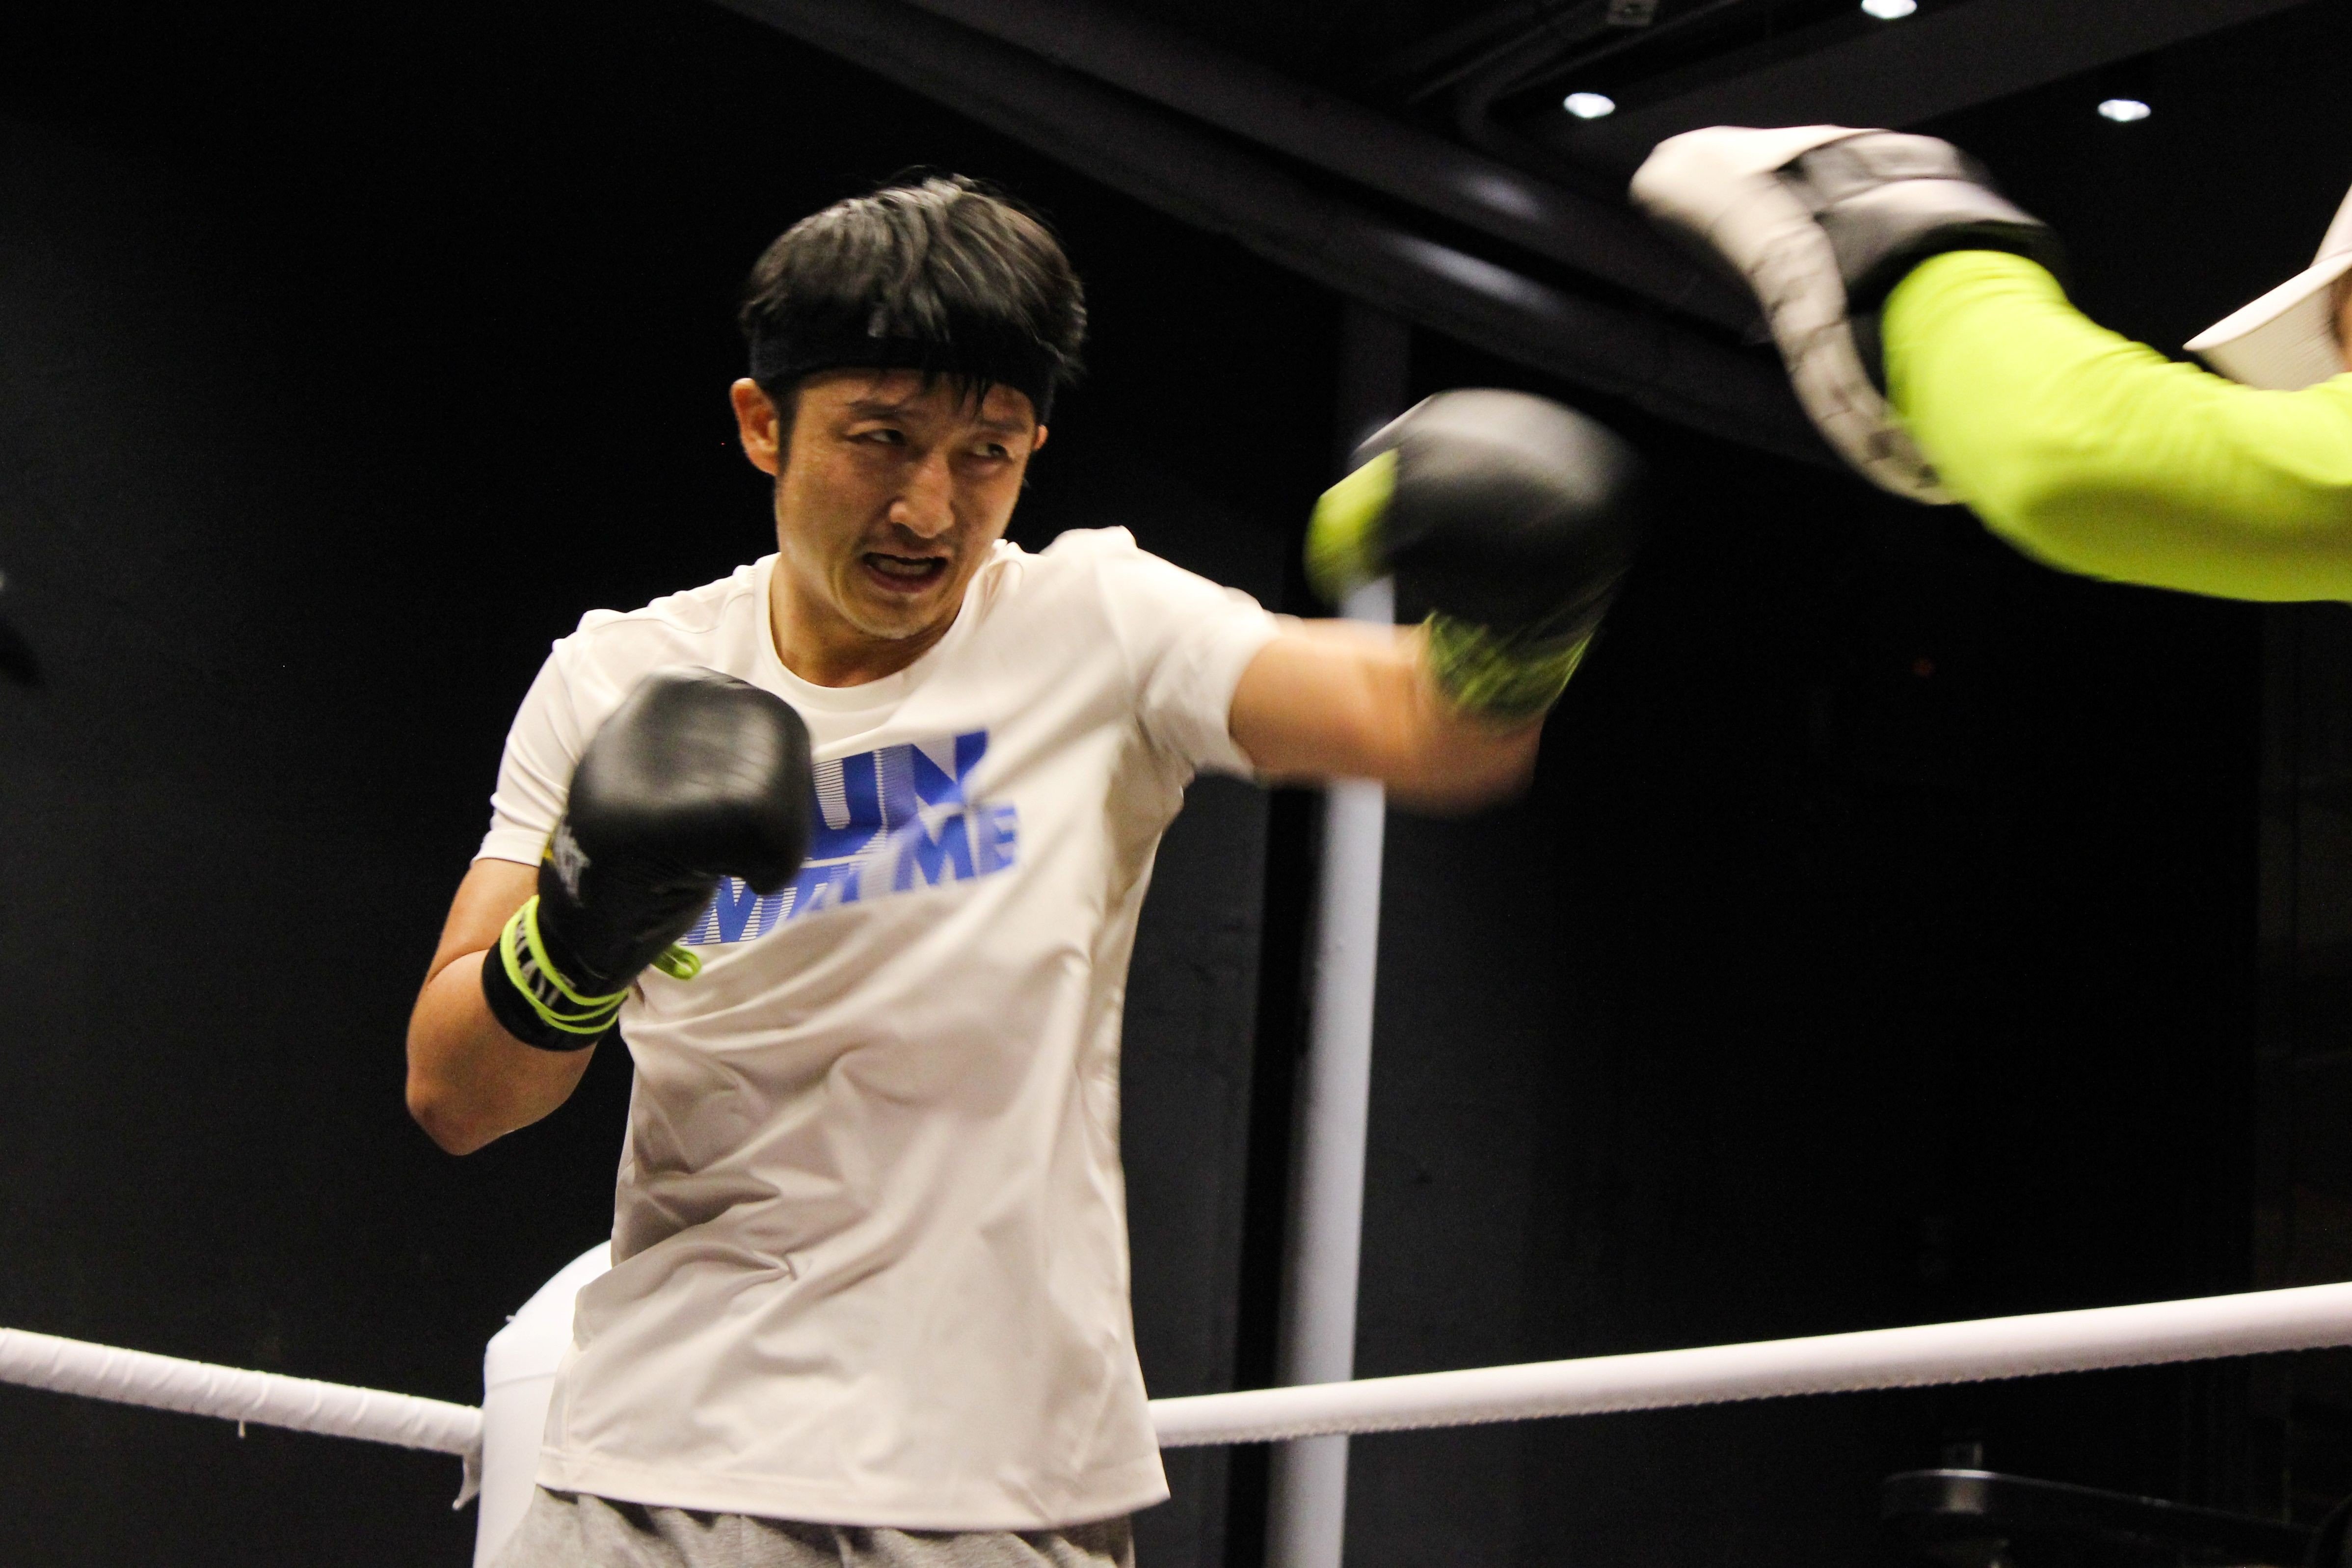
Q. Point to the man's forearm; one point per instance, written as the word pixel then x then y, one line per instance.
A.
pixel 1464 763
pixel 1446 758
pixel 1336 700
pixel 2098 455
pixel 469 1081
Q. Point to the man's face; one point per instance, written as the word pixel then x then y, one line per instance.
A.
pixel 889 495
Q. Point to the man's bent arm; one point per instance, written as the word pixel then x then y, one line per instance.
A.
pixel 1331 699
pixel 469 1080
pixel 2098 455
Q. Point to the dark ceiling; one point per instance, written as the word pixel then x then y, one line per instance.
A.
pixel 1471 72
pixel 1419 156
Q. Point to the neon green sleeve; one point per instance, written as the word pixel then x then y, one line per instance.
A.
pixel 2098 455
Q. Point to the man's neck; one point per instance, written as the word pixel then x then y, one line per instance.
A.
pixel 820 647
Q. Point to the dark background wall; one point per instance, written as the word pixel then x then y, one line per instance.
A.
pixel 344 361
pixel 1876 945
pixel 1911 895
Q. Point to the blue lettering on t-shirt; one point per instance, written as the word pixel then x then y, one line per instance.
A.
pixel 934 860
pixel 891 820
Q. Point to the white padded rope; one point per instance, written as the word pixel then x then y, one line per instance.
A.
pixel 2311 1317
pixel 198 1388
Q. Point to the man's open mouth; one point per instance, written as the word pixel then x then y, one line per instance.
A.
pixel 905 572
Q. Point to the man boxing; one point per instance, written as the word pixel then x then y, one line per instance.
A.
pixel 1928 335
pixel 850 846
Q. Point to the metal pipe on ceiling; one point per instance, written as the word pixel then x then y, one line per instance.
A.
pixel 1594 236
pixel 1669 370
pixel 1541 52
pixel 1435 61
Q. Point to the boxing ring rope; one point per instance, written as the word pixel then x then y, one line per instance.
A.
pixel 2260 1322
pixel 265 1398
pixel 2309 1317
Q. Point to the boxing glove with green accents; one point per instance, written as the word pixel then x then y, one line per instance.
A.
pixel 695 776
pixel 1507 519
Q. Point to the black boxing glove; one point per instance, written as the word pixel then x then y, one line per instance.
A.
pixel 1510 518
pixel 696 776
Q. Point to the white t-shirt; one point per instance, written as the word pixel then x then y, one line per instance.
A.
pixel 869 1238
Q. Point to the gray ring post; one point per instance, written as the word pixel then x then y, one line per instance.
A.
pixel 1307 1503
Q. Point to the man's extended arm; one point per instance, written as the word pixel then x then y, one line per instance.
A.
pixel 2099 456
pixel 1513 520
pixel 1336 699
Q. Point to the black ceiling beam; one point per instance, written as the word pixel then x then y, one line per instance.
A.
pixel 1197 177
pixel 1900 73
pixel 1599 238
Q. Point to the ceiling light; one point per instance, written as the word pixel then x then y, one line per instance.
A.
pixel 1589 105
pixel 1890 10
pixel 2124 111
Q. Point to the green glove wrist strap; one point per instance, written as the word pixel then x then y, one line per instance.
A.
pixel 1505 677
pixel 522 955
pixel 560 1016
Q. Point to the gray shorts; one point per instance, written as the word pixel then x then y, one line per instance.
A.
pixel 573 1530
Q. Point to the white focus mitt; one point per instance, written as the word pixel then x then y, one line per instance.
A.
pixel 1821 221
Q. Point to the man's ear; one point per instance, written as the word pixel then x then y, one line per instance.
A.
pixel 758 426
pixel 1039 445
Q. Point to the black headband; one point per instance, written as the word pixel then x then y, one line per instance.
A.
pixel 785 358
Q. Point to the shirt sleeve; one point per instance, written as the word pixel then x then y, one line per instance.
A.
pixel 2099 456
pixel 1187 640
pixel 535 773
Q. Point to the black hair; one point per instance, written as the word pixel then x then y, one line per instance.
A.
pixel 943 275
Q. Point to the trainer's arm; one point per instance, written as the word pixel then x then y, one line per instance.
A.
pixel 2099 456
pixel 469 1080
pixel 1333 699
